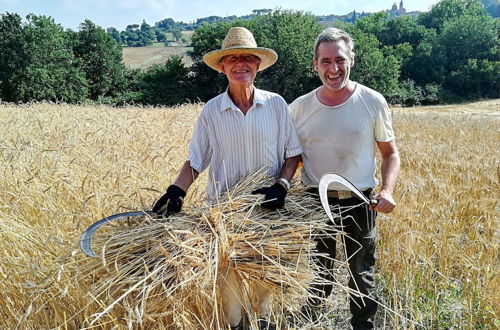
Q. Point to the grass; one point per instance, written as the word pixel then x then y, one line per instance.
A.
pixel 64 167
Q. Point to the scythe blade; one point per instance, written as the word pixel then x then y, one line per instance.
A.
pixel 88 234
pixel 325 181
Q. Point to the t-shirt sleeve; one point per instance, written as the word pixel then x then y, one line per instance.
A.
pixel 292 147
pixel 383 123
pixel 200 150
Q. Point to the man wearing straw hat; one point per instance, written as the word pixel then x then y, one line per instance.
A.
pixel 339 124
pixel 238 132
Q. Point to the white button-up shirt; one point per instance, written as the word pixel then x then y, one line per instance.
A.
pixel 235 145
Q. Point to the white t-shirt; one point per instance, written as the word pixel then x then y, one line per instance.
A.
pixel 341 139
pixel 235 145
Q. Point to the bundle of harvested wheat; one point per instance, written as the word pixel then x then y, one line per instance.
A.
pixel 167 270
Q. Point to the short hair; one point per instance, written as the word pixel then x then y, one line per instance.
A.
pixel 331 35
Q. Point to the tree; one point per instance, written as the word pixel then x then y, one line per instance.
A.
pixel 48 70
pixel 177 34
pixel 160 35
pixel 166 25
pixel 167 84
pixel 403 29
pixel 291 34
pixel 476 79
pixel 147 34
pixel 446 10
pixel 375 66
pixel 115 35
pixel 468 50
pixel 12 56
pixel 101 60
pixel 375 24
pixel 422 67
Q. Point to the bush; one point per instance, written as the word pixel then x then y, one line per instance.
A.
pixel 167 84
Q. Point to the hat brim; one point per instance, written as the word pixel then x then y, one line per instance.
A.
pixel 267 56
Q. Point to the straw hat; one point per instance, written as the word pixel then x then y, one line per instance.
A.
pixel 240 41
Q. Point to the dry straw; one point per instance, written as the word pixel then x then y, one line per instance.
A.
pixel 169 270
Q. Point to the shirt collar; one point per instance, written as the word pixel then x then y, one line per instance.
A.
pixel 227 103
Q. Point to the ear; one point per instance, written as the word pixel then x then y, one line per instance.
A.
pixel 315 64
pixel 352 62
pixel 221 67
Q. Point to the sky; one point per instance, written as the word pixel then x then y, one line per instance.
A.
pixel 120 13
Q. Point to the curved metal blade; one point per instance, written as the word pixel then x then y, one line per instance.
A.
pixel 325 181
pixel 86 238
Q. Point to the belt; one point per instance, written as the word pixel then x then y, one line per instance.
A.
pixel 339 194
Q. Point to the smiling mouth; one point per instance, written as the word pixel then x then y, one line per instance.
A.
pixel 337 76
pixel 241 71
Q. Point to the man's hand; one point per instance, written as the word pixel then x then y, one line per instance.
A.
pixel 385 202
pixel 274 196
pixel 170 202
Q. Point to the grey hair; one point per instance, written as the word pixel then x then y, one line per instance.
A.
pixel 331 35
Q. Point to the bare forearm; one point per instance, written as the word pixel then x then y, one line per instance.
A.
pixel 289 167
pixel 186 177
pixel 389 171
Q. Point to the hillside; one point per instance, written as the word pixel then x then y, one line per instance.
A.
pixel 144 57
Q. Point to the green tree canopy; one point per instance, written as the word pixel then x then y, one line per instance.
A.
pixel 47 69
pixel 446 10
pixel 375 66
pixel 12 55
pixel 101 60
pixel 167 84
pixel 468 50
pixel 292 35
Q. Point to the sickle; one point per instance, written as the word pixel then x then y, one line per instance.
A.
pixel 325 181
pixel 86 239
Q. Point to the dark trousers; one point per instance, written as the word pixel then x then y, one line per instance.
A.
pixel 359 239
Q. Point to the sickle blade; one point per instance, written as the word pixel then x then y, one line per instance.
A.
pixel 325 181
pixel 86 238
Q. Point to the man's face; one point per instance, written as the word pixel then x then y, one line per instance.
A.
pixel 333 64
pixel 240 68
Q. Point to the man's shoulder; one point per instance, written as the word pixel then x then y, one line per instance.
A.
pixel 265 96
pixel 372 95
pixel 214 104
pixel 304 99
pixel 215 101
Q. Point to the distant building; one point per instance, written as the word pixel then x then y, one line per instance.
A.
pixel 260 12
pixel 395 11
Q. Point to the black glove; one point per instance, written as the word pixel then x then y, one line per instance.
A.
pixel 171 202
pixel 274 196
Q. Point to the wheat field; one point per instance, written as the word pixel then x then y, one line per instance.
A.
pixel 145 57
pixel 66 166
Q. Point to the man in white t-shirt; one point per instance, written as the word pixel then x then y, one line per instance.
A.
pixel 238 132
pixel 340 126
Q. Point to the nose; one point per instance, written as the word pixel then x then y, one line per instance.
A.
pixel 334 66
